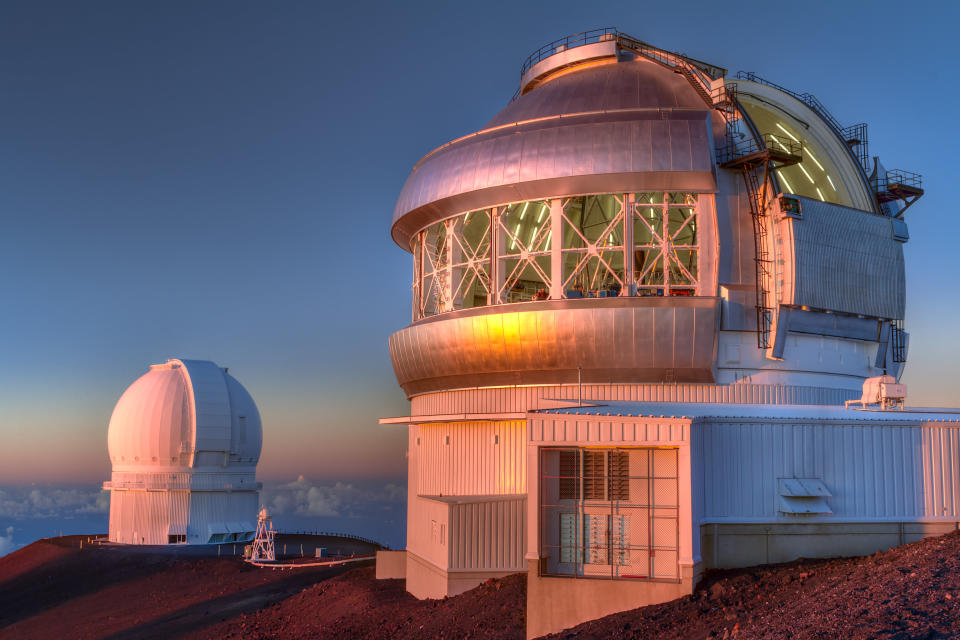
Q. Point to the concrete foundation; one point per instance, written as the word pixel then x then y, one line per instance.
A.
pixel 557 603
pixel 426 580
pixel 725 546
pixel 391 564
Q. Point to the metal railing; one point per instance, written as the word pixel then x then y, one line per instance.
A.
pixel 900 178
pixel 332 534
pixel 750 146
pixel 570 42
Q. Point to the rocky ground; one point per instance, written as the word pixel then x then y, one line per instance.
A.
pixel 52 589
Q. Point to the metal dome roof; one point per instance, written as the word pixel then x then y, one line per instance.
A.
pixel 631 84
pixel 178 410
pixel 608 127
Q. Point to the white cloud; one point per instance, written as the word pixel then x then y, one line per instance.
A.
pixel 6 542
pixel 52 502
pixel 304 498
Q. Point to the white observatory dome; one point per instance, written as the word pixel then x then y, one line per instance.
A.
pixel 184 414
pixel 184 441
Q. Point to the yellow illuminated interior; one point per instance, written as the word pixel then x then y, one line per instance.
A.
pixel 817 177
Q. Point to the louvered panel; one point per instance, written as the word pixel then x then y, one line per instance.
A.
pixel 488 535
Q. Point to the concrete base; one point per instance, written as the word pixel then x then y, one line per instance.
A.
pixel 555 604
pixel 391 564
pixel 426 580
pixel 726 546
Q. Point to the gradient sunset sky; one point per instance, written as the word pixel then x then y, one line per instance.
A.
pixel 215 180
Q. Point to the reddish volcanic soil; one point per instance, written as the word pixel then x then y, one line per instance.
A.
pixel 51 589
pixel 908 593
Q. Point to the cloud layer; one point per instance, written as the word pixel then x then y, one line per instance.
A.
pixel 52 502
pixel 6 542
pixel 306 498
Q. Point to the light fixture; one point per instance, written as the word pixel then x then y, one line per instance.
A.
pixel 806 174
pixel 780 126
pixel 815 161
pixel 513 240
pixel 783 179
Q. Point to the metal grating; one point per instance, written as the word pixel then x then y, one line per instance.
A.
pixel 626 526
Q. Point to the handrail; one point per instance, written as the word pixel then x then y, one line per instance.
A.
pixel 610 33
pixel 750 146
pixel 569 42
pixel 901 178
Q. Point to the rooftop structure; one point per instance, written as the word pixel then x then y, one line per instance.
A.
pixel 184 441
pixel 636 226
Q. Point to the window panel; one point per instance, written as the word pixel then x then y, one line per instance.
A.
pixel 666 244
pixel 605 528
pixel 453 258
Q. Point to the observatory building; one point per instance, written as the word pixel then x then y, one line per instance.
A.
pixel 184 441
pixel 642 294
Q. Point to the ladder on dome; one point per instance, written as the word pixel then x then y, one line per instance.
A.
pixel 755 159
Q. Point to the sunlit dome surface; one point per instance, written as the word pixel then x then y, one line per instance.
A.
pixel 155 422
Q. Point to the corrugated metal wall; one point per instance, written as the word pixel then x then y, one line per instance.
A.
pixel 471 458
pixel 504 399
pixel 488 535
pixel 145 517
pixel 874 471
pixel 847 260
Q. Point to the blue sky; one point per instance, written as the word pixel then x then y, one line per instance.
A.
pixel 216 180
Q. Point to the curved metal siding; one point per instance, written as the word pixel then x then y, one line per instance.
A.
pixel 875 472
pixel 482 458
pixel 623 339
pixel 211 403
pixel 522 398
pixel 622 85
pixel 611 151
pixel 847 260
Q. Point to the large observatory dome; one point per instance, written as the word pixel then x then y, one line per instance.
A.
pixel 635 217
pixel 184 441
pixel 180 409
pixel 646 282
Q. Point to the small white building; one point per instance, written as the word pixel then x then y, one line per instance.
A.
pixel 184 441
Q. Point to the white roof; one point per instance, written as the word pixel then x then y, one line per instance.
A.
pixel 180 408
pixel 757 411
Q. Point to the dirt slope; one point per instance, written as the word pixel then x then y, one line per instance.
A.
pixel 911 592
pixel 51 589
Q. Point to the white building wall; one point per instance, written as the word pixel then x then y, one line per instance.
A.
pixel 146 517
pixel 875 472
pixel 470 458
pixel 214 512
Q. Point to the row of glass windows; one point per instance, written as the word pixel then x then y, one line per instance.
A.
pixel 637 244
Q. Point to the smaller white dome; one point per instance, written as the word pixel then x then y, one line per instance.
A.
pixel 184 414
